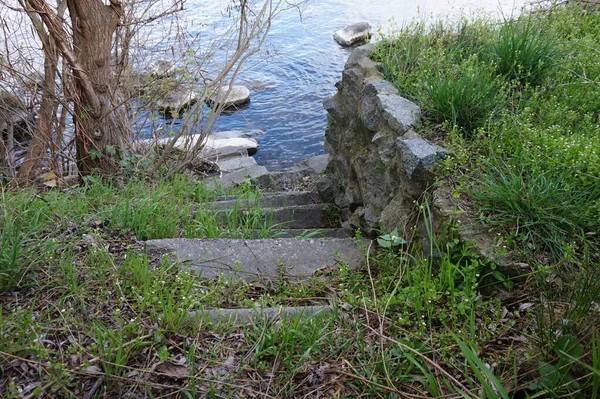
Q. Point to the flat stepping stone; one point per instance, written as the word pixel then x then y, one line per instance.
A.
pixel 268 200
pixel 315 233
pixel 255 315
pixel 256 260
pixel 311 166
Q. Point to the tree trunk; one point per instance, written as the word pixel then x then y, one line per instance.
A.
pixel 101 124
pixel 42 134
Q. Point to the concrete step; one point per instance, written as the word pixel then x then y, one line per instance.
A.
pixel 236 177
pixel 256 315
pixel 257 260
pixel 301 233
pixel 267 200
pixel 312 216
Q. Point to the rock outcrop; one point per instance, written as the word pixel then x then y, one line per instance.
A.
pixel 378 166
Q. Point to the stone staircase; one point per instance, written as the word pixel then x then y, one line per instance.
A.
pixel 308 242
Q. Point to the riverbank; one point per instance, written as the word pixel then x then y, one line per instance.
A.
pixel 86 311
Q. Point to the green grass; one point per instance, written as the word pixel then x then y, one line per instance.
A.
pixel 85 311
pixel 525 95
pixel 95 307
pixel 518 101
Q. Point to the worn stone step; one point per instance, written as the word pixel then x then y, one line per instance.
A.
pixel 312 216
pixel 315 233
pixel 301 233
pixel 256 315
pixel 237 177
pixel 267 200
pixel 256 260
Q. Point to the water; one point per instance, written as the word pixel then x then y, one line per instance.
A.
pixel 298 66
pixel 301 64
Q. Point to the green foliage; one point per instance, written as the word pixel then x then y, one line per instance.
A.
pixel 525 95
pixel 555 379
pixel 391 240
pixel 523 50
pixel 539 209
pixel 465 96
pixel 492 387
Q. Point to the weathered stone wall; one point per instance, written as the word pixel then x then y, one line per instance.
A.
pixel 378 166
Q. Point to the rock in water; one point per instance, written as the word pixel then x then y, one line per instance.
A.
pixel 352 34
pixel 176 100
pixel 230 96
pixel 162 69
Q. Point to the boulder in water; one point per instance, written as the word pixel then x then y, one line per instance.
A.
pixel 162 69
pixel 176 100
pixel 352 34
pixel 230 96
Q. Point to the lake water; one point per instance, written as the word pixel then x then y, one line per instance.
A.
pixel 301 63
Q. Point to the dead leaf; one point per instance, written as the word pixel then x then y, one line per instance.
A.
pixel 170 369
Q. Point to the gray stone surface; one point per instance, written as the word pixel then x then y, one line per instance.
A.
pixel 213 146
pixel 400 113
pixel 267 200
pixel 254 260
pixel 255 315
pixel 161 69
pixel 294 217
pixel 382 103
pixel 176 100
pixel 368 176
pixel 230 96
pixel 237 163
pixel 294 174
pixel 371 103
pixel 12 110
pixel 300 233
pixel 419 154
pixel 352 34
pixel 235 178
pixel 233 134
pixel 223 153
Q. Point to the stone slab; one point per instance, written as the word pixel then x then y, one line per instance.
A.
pixel 223 153
pixel 419 154
pixel 255 260
pixel 311 216
pixel 311 166
pixel 211 143
pixel 232 134
pixel 267 200
pixel 239 163
pixel 175 101
pixel 235 178
pixel 255 315
pixel 161 69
